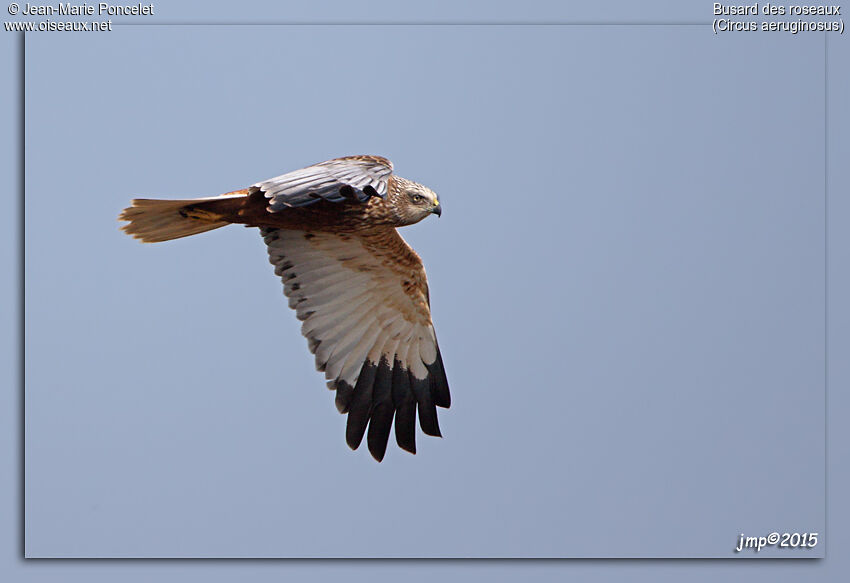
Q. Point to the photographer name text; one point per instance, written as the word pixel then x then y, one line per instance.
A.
pixel 85 9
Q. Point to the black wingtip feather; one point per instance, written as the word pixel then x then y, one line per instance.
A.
pixel 382 411
pixel 369 192
pixel 439 383
pixel 427 409
pixel 347 192
pixel 344 393
pixel 405 405
pixel 361 406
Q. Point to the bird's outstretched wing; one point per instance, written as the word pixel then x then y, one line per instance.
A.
pixel 363 300
pixel 349 178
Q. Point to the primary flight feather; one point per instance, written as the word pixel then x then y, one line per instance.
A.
pixel 356 285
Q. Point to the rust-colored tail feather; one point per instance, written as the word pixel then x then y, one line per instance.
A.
pixel 152 220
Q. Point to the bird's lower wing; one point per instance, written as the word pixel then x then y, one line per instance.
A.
pixel 363 300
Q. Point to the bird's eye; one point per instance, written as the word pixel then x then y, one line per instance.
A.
pixel 417 197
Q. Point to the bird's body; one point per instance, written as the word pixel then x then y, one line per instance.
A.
pixel 359 289
pixel 249 207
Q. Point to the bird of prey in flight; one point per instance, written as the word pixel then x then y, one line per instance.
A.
pixel 356 285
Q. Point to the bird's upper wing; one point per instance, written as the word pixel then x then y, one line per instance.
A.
pixel 350 178
pixel 363 300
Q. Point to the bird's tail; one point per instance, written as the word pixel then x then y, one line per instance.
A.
pixel 152 220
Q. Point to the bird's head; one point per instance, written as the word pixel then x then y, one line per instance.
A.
pixel 411 202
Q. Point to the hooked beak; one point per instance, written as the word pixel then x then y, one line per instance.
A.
pixel 437 210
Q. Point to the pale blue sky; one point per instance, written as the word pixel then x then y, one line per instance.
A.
pixel 645 369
